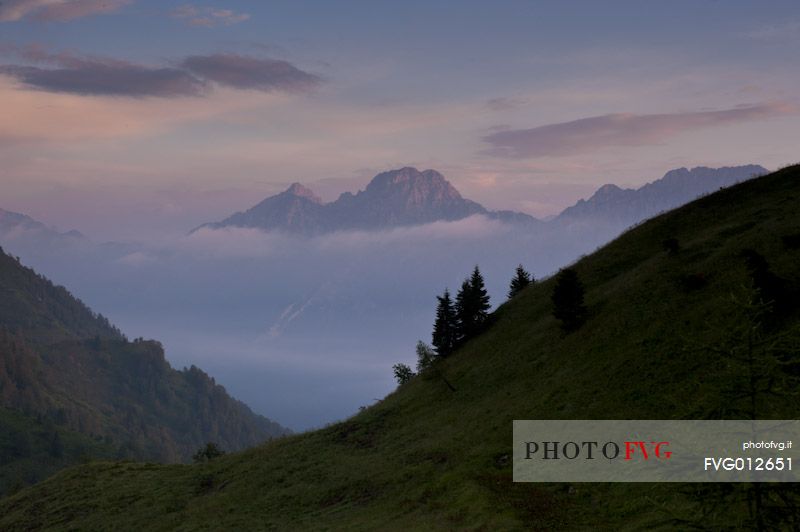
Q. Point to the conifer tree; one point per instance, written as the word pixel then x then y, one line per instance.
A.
pixel 472 306
pixel 482 305
pixel 445 327
pixel 464 315
pixel 567 300
pixel 771 289
pixel 520 281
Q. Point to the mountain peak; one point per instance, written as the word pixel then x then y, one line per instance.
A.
pixel 410 181
pixel 394 198
pixel 395 177
pixel 607 189
pixel 296 189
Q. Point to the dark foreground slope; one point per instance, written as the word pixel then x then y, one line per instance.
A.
pixel 72 388
pixel 429 458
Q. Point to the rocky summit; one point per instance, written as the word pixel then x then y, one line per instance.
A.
pixel 396 198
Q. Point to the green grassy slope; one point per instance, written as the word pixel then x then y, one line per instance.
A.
pixel 428 458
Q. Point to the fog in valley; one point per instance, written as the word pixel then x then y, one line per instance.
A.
pixel 303 329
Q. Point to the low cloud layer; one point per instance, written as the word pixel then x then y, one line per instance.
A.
pixel 347 305
pixel 622 129
pixel 208 17
pixel 244 242
pixel 56 10
pixel 192 76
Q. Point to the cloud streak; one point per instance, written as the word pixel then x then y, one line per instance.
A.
pixel 56 10
pixel 93 78
pixel 243 72
pixel 208 17
pixel 622 129
pixel 192 76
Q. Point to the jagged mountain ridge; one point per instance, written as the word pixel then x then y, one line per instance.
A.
pixel 409 197
pixel 611 203
pixel 395 198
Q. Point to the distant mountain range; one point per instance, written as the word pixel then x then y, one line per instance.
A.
pixel 612 204
pixel 407 197
pixel 392 199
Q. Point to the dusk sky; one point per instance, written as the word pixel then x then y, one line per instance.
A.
pixel 131 119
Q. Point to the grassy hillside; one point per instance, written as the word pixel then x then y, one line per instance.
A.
pixel 68 368
pixel 429 458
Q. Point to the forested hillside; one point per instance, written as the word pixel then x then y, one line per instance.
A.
pixel 67 374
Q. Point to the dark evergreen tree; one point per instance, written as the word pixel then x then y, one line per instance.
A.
pixel 472 306
pixel 482 305
pixel 567 300
pixel 520 281
pixel 770 288
pixel 464 315
pixel 445 329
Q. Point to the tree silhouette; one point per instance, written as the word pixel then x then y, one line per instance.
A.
pixel 464 316
pixel 567 300
pixel 520 281
pixel 425 356
pixel 428 363
pixel 771 289
pixel 472 306
pixel 207 453
pixel 402 373
pixel 445 329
